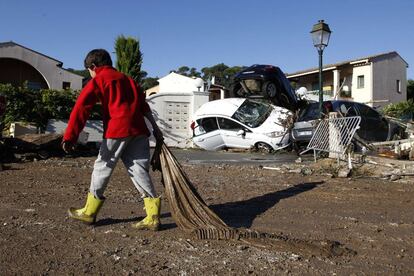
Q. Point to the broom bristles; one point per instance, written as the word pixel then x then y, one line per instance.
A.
pixel 188 209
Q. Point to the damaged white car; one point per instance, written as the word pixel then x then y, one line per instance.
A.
pixel 241 123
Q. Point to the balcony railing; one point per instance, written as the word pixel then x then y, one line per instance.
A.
pixel 324 92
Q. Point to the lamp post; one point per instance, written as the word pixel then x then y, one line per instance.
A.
pixel 320 37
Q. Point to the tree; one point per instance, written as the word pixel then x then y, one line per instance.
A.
pixel 147 83
pixel 216 71
pixel 194 73
pixel 129 57
pixel 223 74
pixel 144 74
pixel 183 70
pixel 410 89
pixel 187 71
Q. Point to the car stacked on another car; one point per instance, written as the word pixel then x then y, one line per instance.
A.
pixel 373 127
pixel 265 81
pixel 241 123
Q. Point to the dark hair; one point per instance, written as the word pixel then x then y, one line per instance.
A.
pixel 97 57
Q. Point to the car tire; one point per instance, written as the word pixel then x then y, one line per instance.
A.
pixel 263 147
pixel 297 148
pixel 284 101
pixel 269 89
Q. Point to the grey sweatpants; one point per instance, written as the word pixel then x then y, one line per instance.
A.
pixel 134 153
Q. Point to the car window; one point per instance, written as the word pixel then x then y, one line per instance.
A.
pixel 252 113
pixel 311 112
pixel 366 111
pixel 228 124
pixel 206 125
pixel 347 109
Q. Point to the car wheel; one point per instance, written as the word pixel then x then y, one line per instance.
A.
pixel 296 148
pixel 263 147
pixel 269 89
pixel 284 101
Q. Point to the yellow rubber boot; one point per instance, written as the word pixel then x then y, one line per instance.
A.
pixel 88 213
pixel 152 220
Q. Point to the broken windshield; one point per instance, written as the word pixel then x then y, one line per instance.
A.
pixel 252 113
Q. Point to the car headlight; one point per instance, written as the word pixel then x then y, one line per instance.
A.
pixel 275 134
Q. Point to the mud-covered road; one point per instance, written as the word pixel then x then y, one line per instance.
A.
pixel 373 218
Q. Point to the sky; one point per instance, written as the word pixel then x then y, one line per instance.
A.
pixel 204 33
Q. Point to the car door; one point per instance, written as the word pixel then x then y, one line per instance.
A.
pixel 234 134
pixel 207 134
pixel 375 126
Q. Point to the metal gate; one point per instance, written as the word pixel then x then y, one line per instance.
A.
pixel 334 135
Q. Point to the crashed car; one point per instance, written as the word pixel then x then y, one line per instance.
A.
pixel 241 123
pixel 265 81
pixel 373 127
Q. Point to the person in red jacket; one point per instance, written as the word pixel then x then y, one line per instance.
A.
pixel 125 136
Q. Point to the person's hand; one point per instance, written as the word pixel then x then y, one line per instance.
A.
pixel 158 135
pixel 68 147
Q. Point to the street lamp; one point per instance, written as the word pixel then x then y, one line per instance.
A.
pixel 320 36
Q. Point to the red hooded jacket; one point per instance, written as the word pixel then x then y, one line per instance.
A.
pixel 123 106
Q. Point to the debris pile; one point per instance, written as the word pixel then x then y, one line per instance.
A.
pixel 369 167
pixel 402 149
pixel 32 147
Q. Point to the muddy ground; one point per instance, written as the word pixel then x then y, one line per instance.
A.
pixel 373 219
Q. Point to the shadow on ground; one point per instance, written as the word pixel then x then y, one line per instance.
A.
pixel 112 221
pixel 242 213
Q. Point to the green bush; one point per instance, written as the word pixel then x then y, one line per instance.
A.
pixel 22 104
pixel 402 110
pixel 38 106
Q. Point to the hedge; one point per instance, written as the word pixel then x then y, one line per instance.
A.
pixel 38 106
pixel 402 110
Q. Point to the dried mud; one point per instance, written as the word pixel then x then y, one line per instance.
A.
pixel 309 224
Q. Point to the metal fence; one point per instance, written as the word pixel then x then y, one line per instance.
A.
pixel 334 135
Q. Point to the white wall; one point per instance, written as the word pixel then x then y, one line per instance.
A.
pixel 386 73
pixel 94 129
pixel 362 95
pixel 173 112
pixel 174 82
